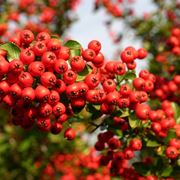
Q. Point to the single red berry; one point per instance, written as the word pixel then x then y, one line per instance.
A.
pixel 28 94
pixel 125 90
pixel 109 66
pixel 95 45
pixel 27 56
pixel 60 66
pixel 172 152
pixel 43 36
pixel 128 154
pixel 139 83
pixel 15 90
pixel 39 48
pixel 136 144
pixel 119 68
pixel 92 80
pixel 48 79
pixel 113 97
pixel 56 128
pixel 26 36
pixel 142 111
pixel 25 79
pixel 64 53
pixel 69 134
pixel 77 64
pixel 53 45
pixel 59 109
pixel 128 55
pixel 142 53
pixel 88 54
pixel 114 143
pixel 4 88
pixel 54 97
pixel 48 59
pixel 69 76
pixel 109 85
pixel 45 110
pixel 16 66
pixel 44 124
pixel 42 93
pixel 36 68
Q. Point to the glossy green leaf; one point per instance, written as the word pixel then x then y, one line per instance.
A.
pixel 74 46
pixel 141 168
pixel 133 122
pixel 82 75
pixel 130 75
pixel 13 51
pixel 152 143
pixel 167 171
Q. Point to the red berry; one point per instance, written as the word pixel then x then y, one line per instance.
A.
pixel 136 144
pixel 95 45
pixel 69 134
pixel 27 56
pixel 77 64
pixel 59 109
pixel 142 111
pixel 109 85
pixel 16 66
pixel 119 68
pixel 92 80
pixel 42 93
pixel 88 54
pixel 28 94
pixel 142 53
pixel 36 68
pixel 56 128
pixel 172 152
pixel 26 36
pixel 69 76
pixel 48 79
pixel 48 59
pixel 60 66
pixel 25 79
pixel 39 48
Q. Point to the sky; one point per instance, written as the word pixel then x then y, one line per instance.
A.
pixel 90 25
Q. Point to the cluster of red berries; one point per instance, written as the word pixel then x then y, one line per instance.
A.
pixel 33 84
pixel 115 8
pixel 72 166
pixel 174 41
pixel 48 15
pixel 166 89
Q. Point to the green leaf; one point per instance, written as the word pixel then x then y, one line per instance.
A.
pixel 133 122
pixel 130 75
pixel 152 143
pixel 167 171
pixel 171 134
pixel 13 51
pixel 119 133
pixel 74 46
pixel 82 75
pixel 141 168
pixel 176 109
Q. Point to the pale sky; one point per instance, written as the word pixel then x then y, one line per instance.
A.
pixel 91 26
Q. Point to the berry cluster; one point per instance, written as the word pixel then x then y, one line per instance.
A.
pixel 45 15
pixel 34 85
pixel 115 8
pixel 75 165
